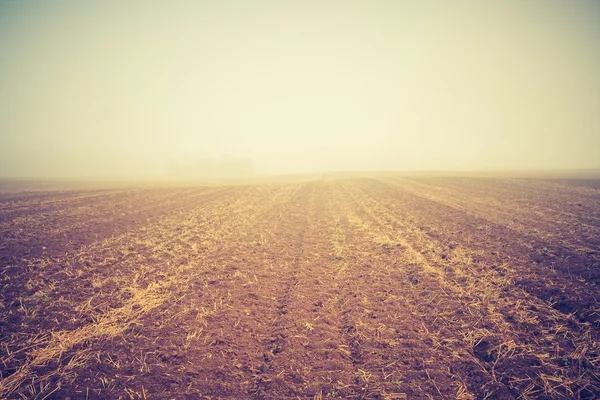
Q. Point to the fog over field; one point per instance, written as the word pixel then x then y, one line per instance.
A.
pixel 236 88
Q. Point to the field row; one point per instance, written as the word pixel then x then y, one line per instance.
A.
pixel 386 288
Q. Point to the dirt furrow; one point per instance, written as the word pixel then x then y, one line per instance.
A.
pixel 568 232
pixel 522 195
pixel 520 349
pixel 309 356
pixel 404 350
pixel 78 276
pixel 57 233
pixel 566 280
pixel 36 201
pixel 116 284
pixel 209 343
pixel 357 288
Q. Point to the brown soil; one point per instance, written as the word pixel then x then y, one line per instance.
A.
pixel 370 288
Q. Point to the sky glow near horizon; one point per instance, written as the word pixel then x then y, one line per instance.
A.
pixel 125 89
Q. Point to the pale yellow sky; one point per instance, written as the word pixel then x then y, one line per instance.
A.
pixel 123 89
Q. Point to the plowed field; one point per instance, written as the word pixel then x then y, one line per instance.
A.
pixel 366 288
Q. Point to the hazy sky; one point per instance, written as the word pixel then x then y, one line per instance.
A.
pixel 112 88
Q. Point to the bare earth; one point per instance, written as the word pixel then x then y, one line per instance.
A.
pixel 364 288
